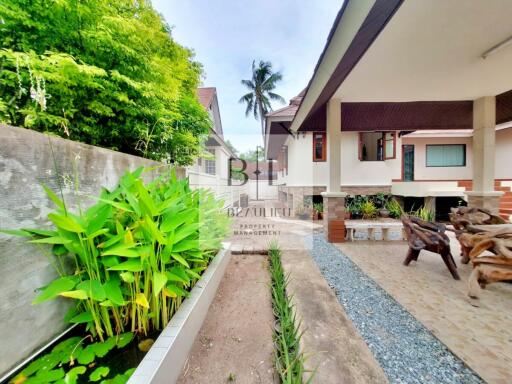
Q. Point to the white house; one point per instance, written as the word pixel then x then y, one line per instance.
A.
pixel 412 98
pixel 213 171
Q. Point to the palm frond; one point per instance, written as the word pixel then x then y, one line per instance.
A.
pixel 249 84
pixel 275 96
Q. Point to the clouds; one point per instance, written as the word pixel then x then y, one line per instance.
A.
pixel 227 35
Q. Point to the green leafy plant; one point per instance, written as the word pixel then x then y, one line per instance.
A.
pixel 289 360
pixel 394 208
pixel 107 73
pixel 368 209
pixel 73 359
pixel 318 207
pixel 135 253
pixel 424 213
pixel 380 200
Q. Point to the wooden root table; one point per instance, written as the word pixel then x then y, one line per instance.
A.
pixel 487 269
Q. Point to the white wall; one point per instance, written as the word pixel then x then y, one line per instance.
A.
pixel 356 172
pixel 218 183
pixel 422 172
pixel 504 154
pixel 265 191
pixel 302 171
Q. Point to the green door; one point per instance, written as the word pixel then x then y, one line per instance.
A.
pixel 408 162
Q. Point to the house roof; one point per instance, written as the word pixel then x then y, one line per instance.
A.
pixel 397 51
pixel 205 95
pixel 290 109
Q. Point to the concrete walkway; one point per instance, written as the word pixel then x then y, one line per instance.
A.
pixel 331 343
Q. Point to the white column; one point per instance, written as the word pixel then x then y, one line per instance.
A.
pixel 333 128
pixel 484 142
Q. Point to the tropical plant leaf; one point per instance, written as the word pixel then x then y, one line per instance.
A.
pixel 127 277
pixel 102 348
pixel 79 294
pixel 93 288
pixel 132 265
pixel 86 355
pixel 98 373
pixel 66 222
pixel 121 250
pixel 124 339
pixel 113 292
pixel 159 281
pixel 53 197
pixel 57 286
pixel 83 317
pixel 141 300
pixel 51 240
pixel 181 260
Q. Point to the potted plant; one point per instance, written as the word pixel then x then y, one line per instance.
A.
pixel 394 208
pixel 354 207
pixel 368 209
pixel 380 201
pixel 318 210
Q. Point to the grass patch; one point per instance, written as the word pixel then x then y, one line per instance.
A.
pixel 289 361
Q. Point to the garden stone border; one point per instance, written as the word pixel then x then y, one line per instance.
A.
pixel 165 360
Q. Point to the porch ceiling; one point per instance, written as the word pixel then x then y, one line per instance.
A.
pixel 432 51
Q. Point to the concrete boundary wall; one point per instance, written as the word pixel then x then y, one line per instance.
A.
pixel 28 159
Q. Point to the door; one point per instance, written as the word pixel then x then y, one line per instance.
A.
pixel 408 162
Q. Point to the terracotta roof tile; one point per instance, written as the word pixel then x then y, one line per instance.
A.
pixel 206 95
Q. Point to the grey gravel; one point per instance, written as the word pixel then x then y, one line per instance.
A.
pixel 406 350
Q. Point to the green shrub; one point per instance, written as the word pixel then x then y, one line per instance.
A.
pixel 318 207
pixel 394 208
pixel 136 253
pixel 107 73
pixel 424 213
pixel 368 209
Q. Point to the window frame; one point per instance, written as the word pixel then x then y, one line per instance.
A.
pixel 323 158
pixel 385 155
pixel 446 145
pixel 208 162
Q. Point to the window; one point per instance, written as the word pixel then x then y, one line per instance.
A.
pixel 319 146
pixel 209 164
pixel 446 155
pixel 377 146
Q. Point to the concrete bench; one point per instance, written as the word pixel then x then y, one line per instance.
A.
pixel 371 226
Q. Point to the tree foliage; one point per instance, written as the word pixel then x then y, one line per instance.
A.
pixel 260 86
pixel 104 72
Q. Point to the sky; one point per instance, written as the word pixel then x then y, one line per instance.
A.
pixel 227 35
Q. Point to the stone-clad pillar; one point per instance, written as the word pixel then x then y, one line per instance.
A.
pixel 484 142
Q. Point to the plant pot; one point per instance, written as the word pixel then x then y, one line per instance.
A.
pixel 383 212
pixel 164 362
pixel 356 215
pixel 348 215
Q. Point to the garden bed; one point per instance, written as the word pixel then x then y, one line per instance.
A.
pixel 164 361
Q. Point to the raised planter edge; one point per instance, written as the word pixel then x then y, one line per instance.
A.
pixel 164 362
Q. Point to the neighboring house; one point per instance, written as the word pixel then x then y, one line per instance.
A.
pixel 401 103
pixel 212 169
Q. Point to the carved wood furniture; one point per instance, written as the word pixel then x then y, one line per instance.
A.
pixel 429 236
pixel 489 269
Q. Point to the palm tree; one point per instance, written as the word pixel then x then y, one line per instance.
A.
pixel 261 86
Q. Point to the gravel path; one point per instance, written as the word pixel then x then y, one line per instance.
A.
pixel 404 348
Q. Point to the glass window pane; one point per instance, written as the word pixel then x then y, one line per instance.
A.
pixel 449 155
